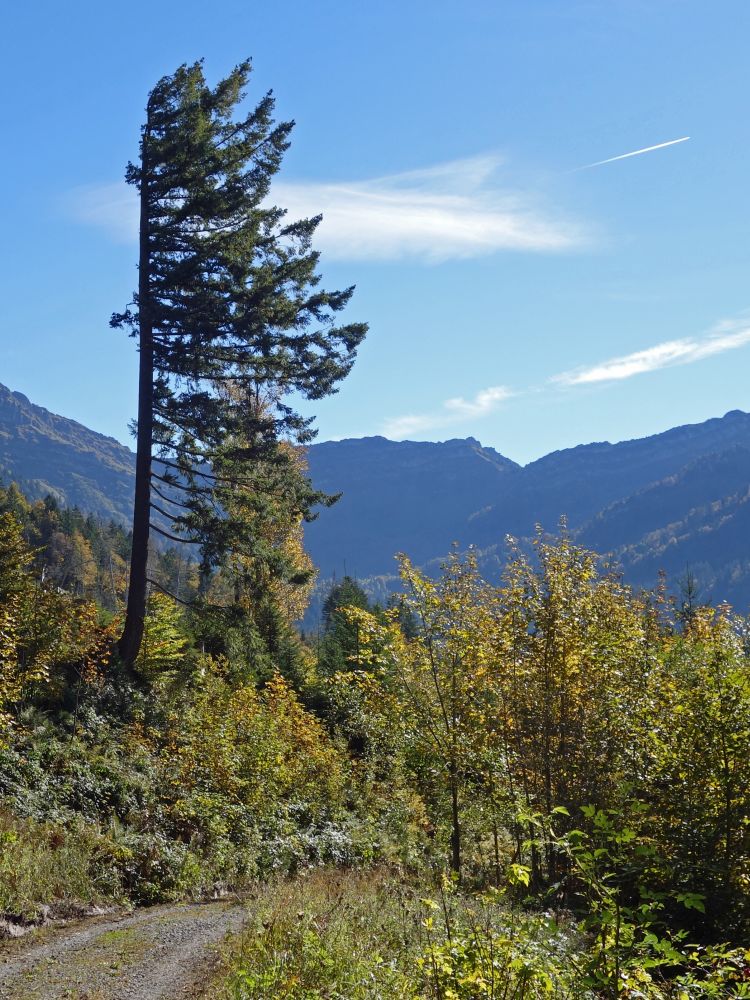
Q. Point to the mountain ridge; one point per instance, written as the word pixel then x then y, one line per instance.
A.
pixel 675 498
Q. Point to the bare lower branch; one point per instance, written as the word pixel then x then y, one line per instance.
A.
pixel 174 538
pixel 155 583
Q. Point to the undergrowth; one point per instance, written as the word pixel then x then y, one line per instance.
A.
pixel 50 864
pixel 331 935
pixel 366 936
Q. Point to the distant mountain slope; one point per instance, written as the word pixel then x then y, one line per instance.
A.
pixel 398 496
pixel 704 482
pixel 711 542
pixel 672 500
pixel 45 453
pixel 420 497
pixel 580 482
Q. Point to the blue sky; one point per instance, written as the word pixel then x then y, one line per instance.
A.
pixel 511 295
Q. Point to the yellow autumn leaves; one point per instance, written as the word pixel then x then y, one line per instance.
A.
pixel 563 688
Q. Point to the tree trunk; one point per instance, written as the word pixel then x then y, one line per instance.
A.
pixel 455 826
pixel 135 614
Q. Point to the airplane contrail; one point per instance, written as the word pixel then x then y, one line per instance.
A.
pixel 636 152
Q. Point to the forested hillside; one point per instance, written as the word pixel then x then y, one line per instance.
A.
pixel 50 455
pixel 673 502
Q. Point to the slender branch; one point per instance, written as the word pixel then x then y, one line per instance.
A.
pixel 166 419
pixel 208 475
pixel 177 503
pixel 183 450
pixel 171 517
pixel 188 604
pixel 185 487
pixel 175 538
pixel 155 583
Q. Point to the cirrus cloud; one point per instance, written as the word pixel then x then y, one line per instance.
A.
pixel 456 210
pixel 453 411
pixel 452 211
pixel 726 336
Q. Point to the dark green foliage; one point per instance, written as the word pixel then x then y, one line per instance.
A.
pixel 339 645
pixel 254 644
pixel 230 320
pixel 407 620
pixel 86 556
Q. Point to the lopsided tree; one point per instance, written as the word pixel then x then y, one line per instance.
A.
pixel 228 307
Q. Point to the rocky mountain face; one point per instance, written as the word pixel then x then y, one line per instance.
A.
pixel 674 501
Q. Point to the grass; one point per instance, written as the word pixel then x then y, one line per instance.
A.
pixel 47 864
pixel 325 934
pixel 333 935
pixel 369 936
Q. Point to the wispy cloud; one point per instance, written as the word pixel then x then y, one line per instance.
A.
pixel 113 207
pixel 456 210
pixel 727 336
pixel 635 152
pixel 453 411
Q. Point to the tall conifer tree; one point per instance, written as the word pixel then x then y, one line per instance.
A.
pixel 228 310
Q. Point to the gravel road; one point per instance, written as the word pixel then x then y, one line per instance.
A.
pixel 162 952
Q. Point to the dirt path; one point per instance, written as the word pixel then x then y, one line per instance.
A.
pixel 163 952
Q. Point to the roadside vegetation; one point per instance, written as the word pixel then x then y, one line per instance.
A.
pixel 537 789
pixel 358 936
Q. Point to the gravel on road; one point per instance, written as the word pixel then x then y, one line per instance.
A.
pixel 161 953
